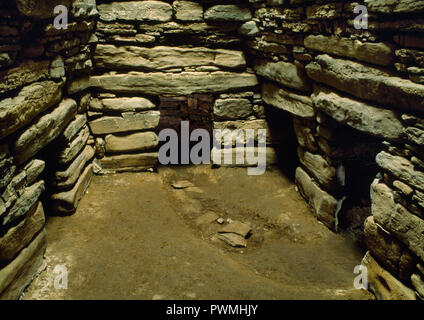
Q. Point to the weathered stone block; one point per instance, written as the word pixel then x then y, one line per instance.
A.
pixel 26 73
pixel 17 275
pixel 19 236
pixel 233 108
pixel 393 217
pixel 66 202
pixel 155 11
pixel 18 111
pixel 33 170
pixel 44 130
pixel 392 254
pixel 402 169
pixel 324 174
pixel 73 127
pixel 129 162
pixel 394 6
pixel 24 203
pixel 128 122
pixel 294 103
pixel 367 118
pixel 133 104
pixel 67 178
pixel 71 149
pixel 184 83
pixel 367 83
pixel 188 10
pixel 227 13
pixel 383 284
pixel 285 73
pixel 324 204
pixel 376 53
pixel 140 141
pixel 109 56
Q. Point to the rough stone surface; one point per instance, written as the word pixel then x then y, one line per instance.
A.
pixel 44 130
pixel 129 162
pixel 16 276
pixel 67 178
pixel 383 284
pixel 388 251
pixel 394 6
pixel 26 73
pixel 154 11
pixel 19 236
pixel 140 141
pixel 184 83
pixel 233 108
pixel 376 53
pixel 367 83
pixel 227 13
pixel 66 202
pixel 233 240
pixel 128 122
pixel 393 217
pixel 24 203
pixel 18 111
pixel 133 104
pixel 401 168
pixel 162 57
pixel 319 168
pixel 296 104
pixel 323 203
pixel 285 73
pixel 188 10
pixel 361 116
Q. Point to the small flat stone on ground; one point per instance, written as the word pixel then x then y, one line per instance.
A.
pixel 183 184
pixel 207 218
pixel 233 240
pixel 236 227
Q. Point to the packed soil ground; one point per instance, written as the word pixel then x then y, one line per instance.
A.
pixel 136 237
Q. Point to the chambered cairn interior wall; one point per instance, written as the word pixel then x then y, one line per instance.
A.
pixel 343 108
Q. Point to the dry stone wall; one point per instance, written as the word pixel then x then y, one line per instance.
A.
pixel 357 102
pixel 159 62
pixel 92 98
pixel 44 158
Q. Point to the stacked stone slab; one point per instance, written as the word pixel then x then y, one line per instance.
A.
pixel 36 61
pixel 357 101
pixel 149 50
pixel 354 99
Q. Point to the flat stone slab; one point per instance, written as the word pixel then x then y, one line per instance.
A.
pixel 44 130
pixel 109 56
pixel 19 236
pixel 285 73
pixel 129 162
pixel 15 112
pixel 131 104
pixel 128 122
pixel 233 240
pixel 207 218
pixel 282 98
pixel 140 141
pixel 368 83
pixel 160 83
pixel 236 227
pixel 156 11
pixel 383 284
pixel 183 184
pixel 362 116
pixel 19 273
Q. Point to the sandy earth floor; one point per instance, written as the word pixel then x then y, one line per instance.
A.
pixel 136 237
